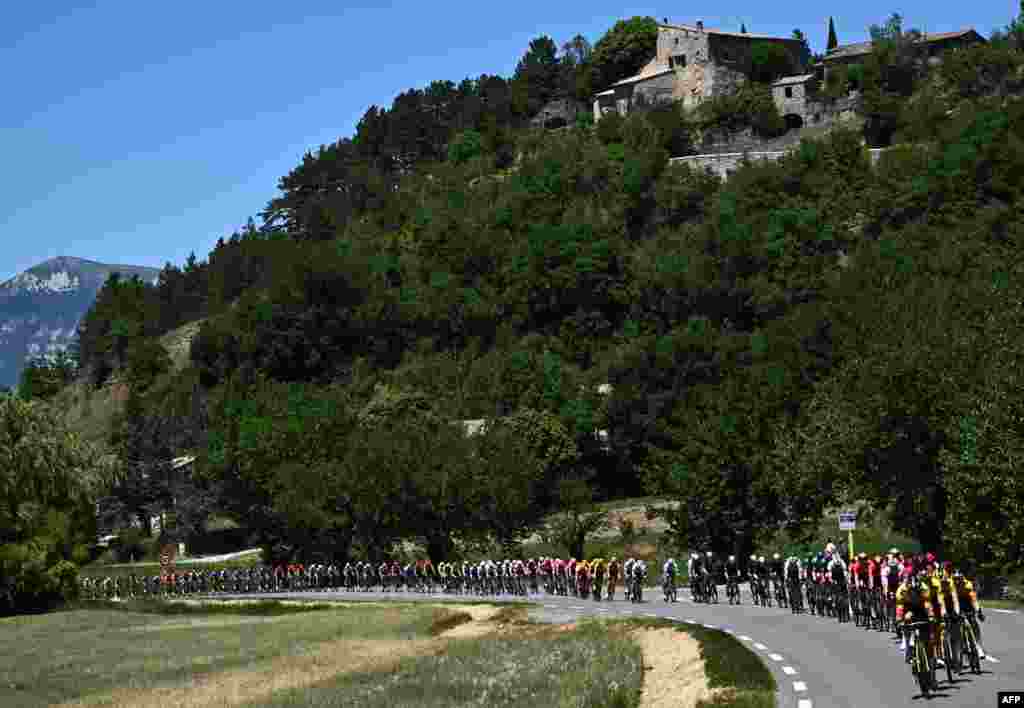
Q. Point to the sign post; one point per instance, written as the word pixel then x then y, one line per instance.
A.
pixel 168 554
pixel 848 523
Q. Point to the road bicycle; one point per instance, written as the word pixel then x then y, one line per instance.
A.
pixel 636 593
pixel 697 589
pixel 668 588
pixel 710 588
pixel 732 590
pixel 969 641
pixel 780 592
pixel 796 600
pixel 921 665
pixel 755 591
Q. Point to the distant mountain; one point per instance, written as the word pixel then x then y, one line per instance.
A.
pixel 41 307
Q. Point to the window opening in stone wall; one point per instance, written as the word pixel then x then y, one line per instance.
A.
pixel 789 92
pixel 679 60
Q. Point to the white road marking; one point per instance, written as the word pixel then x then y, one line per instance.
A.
pixel 762 647
pixel 711 626
pixel 989 657
pixel 788 670
pixel 652 614
pixel 1005 612
pixel 775 657
pixel 746 638
pixel 804 703
pixel 799 686
pixel 577 607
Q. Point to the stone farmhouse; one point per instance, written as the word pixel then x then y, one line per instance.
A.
pixel 691 64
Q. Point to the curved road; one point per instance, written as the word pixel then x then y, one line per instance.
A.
pixel 816 662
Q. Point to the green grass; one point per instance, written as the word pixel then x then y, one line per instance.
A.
pixel 728 664
pixel 588 668
pixel 46 659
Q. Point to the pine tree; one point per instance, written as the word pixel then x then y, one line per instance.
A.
pixel 833 42
pixel 743 28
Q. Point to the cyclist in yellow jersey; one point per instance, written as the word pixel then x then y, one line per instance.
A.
pixel 939 602
pixel 967 599
pixel 914 603
pixel 597 565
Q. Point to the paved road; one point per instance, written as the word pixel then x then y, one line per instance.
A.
pixel 816 662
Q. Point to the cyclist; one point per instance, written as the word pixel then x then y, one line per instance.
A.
pixel 669 571
pixel 613 577
pixel 597 569
pixel 639 575
pixel 732 574
pixel 775 568
pixel 939 603
pixel 967 599
pixel 753 577
pixel 694 572
pixel 913 601
pixel 793 572
pixel 858 582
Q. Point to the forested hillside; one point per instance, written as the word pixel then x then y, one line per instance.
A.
pixel 812 331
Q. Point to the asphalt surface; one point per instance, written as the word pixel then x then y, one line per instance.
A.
pixel 817 662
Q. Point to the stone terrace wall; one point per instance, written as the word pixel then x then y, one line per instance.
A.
pixel 723 164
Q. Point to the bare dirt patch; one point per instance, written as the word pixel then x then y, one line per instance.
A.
pixel 673 669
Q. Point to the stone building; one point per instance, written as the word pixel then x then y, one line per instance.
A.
pixel 797 100
pixel 691 63
pixel 932 46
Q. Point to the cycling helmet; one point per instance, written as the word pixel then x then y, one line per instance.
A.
pixel 894 551
pixel 708 554
pixel 776 556
pixel 753 558
pixel 830 548
pixel 732 559
pixel 930 557
pixel 761 559
pixel 694 555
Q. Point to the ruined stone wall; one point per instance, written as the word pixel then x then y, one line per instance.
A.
pixel 724 164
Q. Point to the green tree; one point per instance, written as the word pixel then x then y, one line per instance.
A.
pixel 578 517
pixel 44 376
pixel 832 42
pixel 48 483
pixel 465 146
pixel 805 48
pixel 769 61
pixel 624 50
pixel 743 28
pixel 536 79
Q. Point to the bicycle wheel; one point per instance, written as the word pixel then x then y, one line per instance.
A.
pixel 971 647
pixel 947 656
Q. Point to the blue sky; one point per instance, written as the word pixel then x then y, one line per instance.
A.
pixel 136 132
